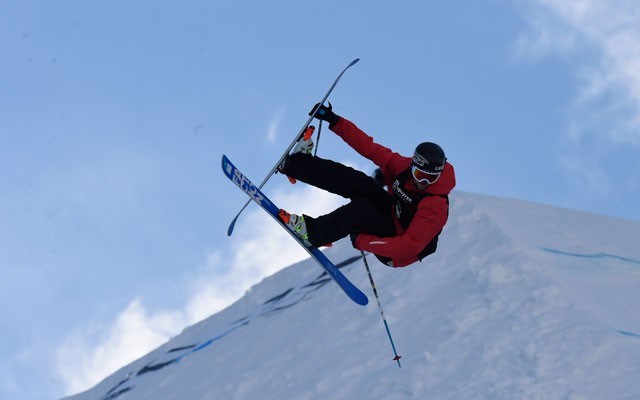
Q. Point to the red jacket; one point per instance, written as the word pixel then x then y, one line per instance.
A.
pixel 432 212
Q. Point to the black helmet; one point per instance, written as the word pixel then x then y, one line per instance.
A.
pixel 427 163
pixel 429 157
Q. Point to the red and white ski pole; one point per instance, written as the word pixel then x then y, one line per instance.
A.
pixel 386 326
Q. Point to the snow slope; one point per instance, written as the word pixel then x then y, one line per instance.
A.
pixel 521 301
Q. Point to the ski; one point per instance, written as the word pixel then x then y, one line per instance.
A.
pixel 293 143
pixel 255 194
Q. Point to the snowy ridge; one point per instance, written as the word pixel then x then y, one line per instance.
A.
pixel 521 301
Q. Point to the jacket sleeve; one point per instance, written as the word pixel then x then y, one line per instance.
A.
pixel 391 163
pixel 429 219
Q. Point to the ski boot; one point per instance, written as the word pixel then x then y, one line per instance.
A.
pixel 304 146
pixel 296 224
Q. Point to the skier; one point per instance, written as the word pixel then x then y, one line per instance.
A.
pixel 399 225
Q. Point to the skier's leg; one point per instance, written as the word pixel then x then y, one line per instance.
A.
pixel 359 216
pixel 334 177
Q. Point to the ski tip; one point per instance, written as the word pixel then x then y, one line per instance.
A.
pixel 231 226
pixel 361 299
pixel 225 163
pixel 226 170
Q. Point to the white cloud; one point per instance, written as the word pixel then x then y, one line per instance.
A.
pixel 274 124
pixel 82 362
pixel 586 175
pixel 258 249
pixel 610 93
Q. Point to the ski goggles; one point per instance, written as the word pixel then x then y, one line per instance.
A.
pixel 424 177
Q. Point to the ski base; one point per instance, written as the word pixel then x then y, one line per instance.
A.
pixel 263 201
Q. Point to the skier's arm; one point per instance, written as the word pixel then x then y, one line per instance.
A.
pixel 426 224
pixel 391 163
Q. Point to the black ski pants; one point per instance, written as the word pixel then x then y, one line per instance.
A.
pixel 368 212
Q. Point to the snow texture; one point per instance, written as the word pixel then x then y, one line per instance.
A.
pixel 521 301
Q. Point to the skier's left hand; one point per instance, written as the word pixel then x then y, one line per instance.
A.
pixel 325 113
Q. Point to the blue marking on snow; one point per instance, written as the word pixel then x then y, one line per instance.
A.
pixel 595 255
pixel 626 333
pixel 284 300
pixel 205 344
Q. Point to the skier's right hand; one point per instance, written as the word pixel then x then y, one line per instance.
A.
pixel 325 113
pixel 378 176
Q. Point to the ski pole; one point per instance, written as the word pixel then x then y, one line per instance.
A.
pixel 293 143
pixel 386 326
pixel 318 138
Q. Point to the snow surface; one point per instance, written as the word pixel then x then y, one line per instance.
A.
pixel 521 301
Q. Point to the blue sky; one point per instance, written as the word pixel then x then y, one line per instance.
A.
pixel 114 116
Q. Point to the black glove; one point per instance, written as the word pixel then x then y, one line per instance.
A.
pixel 378 176
pixel 325 113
